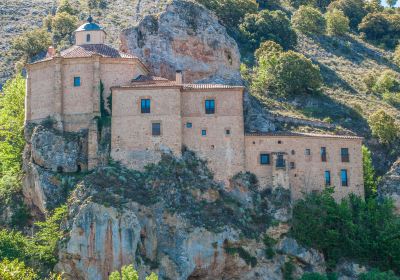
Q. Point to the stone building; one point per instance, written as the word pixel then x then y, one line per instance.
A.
pixel 152 115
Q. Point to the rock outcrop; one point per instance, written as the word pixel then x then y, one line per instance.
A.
pixel 48 158
pixel 185 36
pixel 390 185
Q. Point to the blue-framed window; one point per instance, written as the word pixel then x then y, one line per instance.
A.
pixel 280 161
pixel 265 159
pixel 145 106
pixel 189 125
pixel 203 132
pixel 87 37
pixel 210 106
pixel 327 178
pixel 77 81
pixel 344 178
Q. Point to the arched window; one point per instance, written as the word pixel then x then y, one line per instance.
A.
pixel 87 37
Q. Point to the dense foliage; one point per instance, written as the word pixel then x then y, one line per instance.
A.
pixel 384 127
pixel 267 25
pixel 364 231
pixel 309 20
pixel 382 28
pixel 337 23
pixel 370 180
pixel 129 273
pixel 354 10
pixel 31 43
pixel 286 73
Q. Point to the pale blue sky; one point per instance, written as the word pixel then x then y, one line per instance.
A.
pixel 384 3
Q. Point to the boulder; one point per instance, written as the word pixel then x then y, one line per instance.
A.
pixel 389 186
pixel 311 259
pixel 58 152
pixel 185 36
pixel 348 270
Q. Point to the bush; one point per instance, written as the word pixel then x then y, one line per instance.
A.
pixel 337 23
pixel 287 73
pixel 364 231
pixel 271 5
pixel 313 276
pixel 65 7
pixel 320 4
pixel 62 26
pixel 13 245
pixel 12 115
pixel 31 43
pixel 354 10
pixel 370 181
pixel 383 127
pixel 16 270
pixel 267 25
pixel 377 275
pixel 396 56
pixel 381 27
pixel 267 49
pixel 309 20
pixel 129 273
pixel 231 12
pixel 388 81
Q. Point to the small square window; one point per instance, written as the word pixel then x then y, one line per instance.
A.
pixel 292 165
pixel 189 125
pixel 203 132
pixel 293 152
pixel 279 142
pixel 156 129
pixel 307 152
pixel 77 81
pixel 210 106
pixel 228 132
pixel 264 159
pixel 145 106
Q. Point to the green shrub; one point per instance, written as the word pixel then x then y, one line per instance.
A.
pixel 62 26
pixel 370 180
pixel 364 231
pixel 66 7
pixel 392 98
pixel 354 10
pixel 396 56
pixel 129 273
pixel 337 23
pixel 388 81
pixel 267 49
pixel 320 4
pixel 381 27
pixel 16 270
pixel 231 12
pixel 13 245
pixel 31 43
pixel 313 276
pixel 271 5
pixel 377 275
pixel 383 127
pixel 288 270
pixel 287 73
pixel 12 116
pixel 309 20
pixel 267 25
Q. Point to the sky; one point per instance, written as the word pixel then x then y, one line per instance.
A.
pixel 384 3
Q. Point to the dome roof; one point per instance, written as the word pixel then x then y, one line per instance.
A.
pixel 89 26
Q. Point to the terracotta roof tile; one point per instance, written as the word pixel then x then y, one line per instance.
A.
pixel 149 78
pixel 209 86
pixel 89 50
pixel 301 134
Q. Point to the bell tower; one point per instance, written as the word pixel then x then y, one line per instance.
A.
pixel 89 33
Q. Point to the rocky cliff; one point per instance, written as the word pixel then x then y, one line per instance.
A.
pixel 185 36
pixel 390 185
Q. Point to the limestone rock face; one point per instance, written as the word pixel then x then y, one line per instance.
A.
pixel 55 151
pixel 390 185
pixel 185 36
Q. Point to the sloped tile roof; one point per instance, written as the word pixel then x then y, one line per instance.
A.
pixel 301 134
pixel 209 86
pixel 91 49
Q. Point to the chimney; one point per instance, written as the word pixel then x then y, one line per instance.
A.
pixel 51 52
pixel 179 77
